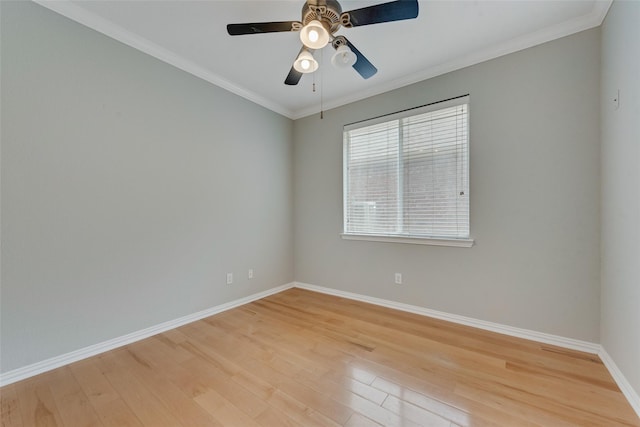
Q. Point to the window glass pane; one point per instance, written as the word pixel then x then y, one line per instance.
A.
pixel 434 162
pixel 373 179
pixel 409 176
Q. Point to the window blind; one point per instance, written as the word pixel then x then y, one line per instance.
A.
pixel 407 174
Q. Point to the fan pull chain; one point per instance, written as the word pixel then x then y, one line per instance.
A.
pixel 321 84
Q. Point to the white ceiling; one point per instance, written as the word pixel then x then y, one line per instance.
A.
pixel 447 35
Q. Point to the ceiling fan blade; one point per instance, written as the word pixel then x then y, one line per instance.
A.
pixel 294 75
pixel 385 12
pixel 262 27
pixel 362 65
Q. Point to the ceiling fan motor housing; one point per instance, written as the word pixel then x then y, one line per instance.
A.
pixel 326 11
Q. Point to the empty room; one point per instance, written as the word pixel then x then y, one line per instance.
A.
pixel 320 213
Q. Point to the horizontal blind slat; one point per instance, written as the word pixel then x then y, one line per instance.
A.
pixel 425 153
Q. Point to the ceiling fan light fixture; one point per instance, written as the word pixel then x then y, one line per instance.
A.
pixel 344 57
pixel 305 63
pixel 314 35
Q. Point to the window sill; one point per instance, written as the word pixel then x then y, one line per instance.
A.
pixel 459 243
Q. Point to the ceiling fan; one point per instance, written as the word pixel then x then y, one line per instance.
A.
pixel 320 21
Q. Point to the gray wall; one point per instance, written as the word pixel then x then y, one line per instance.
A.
pixel 535 186
pixel 129 189
pixel 120 210
pixel 620 328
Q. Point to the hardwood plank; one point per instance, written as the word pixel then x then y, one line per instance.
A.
pixel 173 349
pixel 297 410
pixel 71 401
pixel 140 399
pixel 37 405
pixel 277 372
pixel 444 402
pixel 224 411
pixel 106 401
pixel 151 374
pixel 11 416
pixel 239 396
pixel 116 413
pixel 532 406
pixel 455 415
pixel 274 387
pixel 271 417
pixel 358 420
pixel 483 342
pixel 300 358
pixel 414 413
pixel 92 381
pixel 315 401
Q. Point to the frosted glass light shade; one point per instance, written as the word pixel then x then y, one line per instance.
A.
pixel 314 35
pixel 344 57
pixel 305 63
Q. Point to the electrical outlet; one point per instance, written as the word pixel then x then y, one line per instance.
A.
pixel 398 278
pixel 250 273
pixel 229 278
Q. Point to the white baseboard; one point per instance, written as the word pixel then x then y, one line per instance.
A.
pixel 92 350
pixel 74 356
pixel 559 341
pixel 628 391
pixel 570 343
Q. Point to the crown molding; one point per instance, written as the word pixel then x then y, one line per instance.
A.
pixel 576 25
pixel 80 15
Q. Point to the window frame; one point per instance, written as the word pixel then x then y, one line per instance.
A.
pixel 411 239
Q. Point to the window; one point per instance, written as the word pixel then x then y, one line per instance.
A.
pixel 406 176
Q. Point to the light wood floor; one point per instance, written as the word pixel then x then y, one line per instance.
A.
pixel 301 358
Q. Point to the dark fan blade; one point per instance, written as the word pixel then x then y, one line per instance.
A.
pixel 362 65
pixel 385 12
pixel 294 76
pixel 260 27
